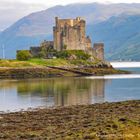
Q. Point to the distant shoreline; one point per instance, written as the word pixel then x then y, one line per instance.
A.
pixel 125 64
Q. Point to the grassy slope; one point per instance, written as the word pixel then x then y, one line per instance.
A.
pixel 49 62
pixel 36 68
pixel 32 63
pixel 44 62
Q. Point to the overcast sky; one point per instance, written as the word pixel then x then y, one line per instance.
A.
pixel 12 10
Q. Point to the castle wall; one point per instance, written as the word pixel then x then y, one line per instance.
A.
pixel 47 44
pixel 99 50
pixel 88 42
pixel 91 51
pixel 35 51
pixel 70 33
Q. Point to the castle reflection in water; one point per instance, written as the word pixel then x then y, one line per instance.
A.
pixel 64 91
pixel 51 92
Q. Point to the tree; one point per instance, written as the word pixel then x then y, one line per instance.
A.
pixel 23 55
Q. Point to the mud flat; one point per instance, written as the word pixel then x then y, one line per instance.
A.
pixel 108 121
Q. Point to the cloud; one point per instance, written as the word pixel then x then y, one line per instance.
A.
pixel 12 11
pixel 63 2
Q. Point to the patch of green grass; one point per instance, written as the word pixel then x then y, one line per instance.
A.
pixel 49 62
pixel 61 62
pixel 34 62
pixel 82 62
pixel 15 63
pixel 79 54
pixel 46 62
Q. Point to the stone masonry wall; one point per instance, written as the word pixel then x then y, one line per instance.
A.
pixel 35 51
pixel 70 33
pixel 99 50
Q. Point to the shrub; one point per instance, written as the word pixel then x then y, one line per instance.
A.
pixel 42 54
pixel 81 55
pixel 23 55
pixel 46 52
pixel 63 54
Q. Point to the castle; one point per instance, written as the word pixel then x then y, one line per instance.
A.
pixel 70 34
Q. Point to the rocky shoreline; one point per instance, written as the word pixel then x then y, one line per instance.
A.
pixel 46 72
pixel 109 121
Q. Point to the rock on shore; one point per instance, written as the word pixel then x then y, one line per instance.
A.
pixel 109 121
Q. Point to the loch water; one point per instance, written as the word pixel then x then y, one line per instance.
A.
pixel 32 93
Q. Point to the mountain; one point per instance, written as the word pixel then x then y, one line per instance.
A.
pixel 34 28
pixel 121 35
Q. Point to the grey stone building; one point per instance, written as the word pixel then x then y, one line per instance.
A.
pixel 70 34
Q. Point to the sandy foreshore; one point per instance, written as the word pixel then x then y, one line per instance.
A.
pixel 107 121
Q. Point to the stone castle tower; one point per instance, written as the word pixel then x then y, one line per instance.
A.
pixel 99 50
pixel 70 34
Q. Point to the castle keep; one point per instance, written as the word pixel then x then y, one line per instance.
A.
pixel 70 34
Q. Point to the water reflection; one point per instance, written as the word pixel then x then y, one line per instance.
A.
pixel 22 94
pixel 62 92
pixel 51 92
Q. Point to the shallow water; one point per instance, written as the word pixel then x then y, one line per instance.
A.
pixel 126 64
pixel 22 94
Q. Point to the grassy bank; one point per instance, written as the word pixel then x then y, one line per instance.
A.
pixel 108 121
pixel 38 68
pixel 47 62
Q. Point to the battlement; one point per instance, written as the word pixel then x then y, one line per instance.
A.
pixel 68 22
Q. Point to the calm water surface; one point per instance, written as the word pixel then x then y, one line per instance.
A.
pixel 22 94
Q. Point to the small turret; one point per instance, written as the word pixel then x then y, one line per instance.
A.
pixel 78 18
pixel 56 21
pixel 99 50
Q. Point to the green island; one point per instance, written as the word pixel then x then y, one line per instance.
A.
pixel 45 68
pixel 62 64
